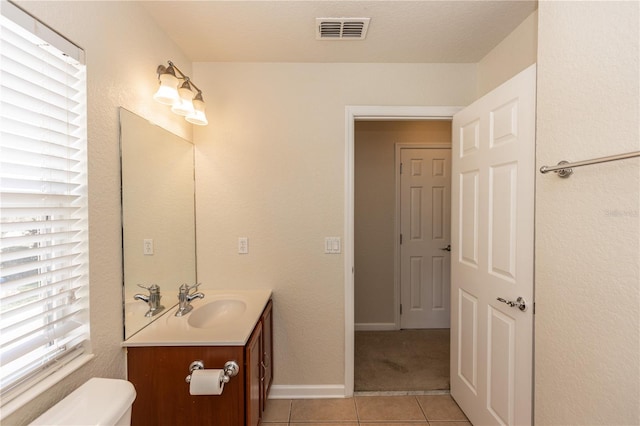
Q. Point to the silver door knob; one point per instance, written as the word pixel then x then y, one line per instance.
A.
pixel 447 248
pixel 520 303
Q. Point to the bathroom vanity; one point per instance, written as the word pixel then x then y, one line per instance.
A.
pixel 224 326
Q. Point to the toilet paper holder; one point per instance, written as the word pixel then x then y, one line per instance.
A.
pixel 230 369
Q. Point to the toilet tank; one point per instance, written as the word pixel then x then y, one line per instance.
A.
pixel 97 402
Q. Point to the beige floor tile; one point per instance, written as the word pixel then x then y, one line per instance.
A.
pixel 275 424
pixel 325 424
pixel 397 424
pixel 388 408
pixel 440 408
pixel 450 424
pixel 276 411
pixel 323 410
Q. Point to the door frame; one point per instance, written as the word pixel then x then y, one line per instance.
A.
pixel 373 113
pixel 397 284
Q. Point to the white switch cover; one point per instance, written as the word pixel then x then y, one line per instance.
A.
pixel 147 247
pixel 332 245
pixel 243 245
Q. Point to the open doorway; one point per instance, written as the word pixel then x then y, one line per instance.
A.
pixel 387 355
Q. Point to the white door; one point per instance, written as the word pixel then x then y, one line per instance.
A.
pixel 492 254
pixel 425 207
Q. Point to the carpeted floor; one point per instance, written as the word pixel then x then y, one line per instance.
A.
pixel 405 360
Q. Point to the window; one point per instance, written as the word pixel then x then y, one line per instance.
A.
pixel 44 291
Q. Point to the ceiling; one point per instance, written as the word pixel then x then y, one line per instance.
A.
pixel 416 31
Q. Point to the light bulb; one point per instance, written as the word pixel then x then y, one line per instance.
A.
pixel 184 104
pixel 198 116
pixel 167 92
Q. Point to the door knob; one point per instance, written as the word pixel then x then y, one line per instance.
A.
pixel 520 303
pixel 447 248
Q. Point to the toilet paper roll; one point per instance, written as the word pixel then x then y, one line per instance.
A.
pixel 206 382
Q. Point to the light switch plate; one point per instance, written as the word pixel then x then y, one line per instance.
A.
pixel 332 245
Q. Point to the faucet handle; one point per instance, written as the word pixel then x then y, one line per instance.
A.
pixel 153 288
pixel 153 299
pixel 185 288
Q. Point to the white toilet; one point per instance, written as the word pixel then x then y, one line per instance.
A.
pixel 97 402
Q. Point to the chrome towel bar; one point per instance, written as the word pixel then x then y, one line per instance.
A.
pixel 564 169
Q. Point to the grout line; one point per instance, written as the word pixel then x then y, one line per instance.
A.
pixel 401 393
pixel 422 410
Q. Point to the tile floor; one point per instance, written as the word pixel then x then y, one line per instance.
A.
pixel 420 410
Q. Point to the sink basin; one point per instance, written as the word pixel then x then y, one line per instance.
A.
pixel 222 318
pixel 217 312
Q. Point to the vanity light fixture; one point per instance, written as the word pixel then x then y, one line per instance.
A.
pixel 177 91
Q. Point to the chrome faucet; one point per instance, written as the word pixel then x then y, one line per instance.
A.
pixel 185 297
pixel 153 299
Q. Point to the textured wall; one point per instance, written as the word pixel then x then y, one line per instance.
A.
pixel 270 166
pixel 512 55
pixel 587 346
pixel 375 204
pixel 123 48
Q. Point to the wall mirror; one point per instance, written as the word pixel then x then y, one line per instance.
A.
pixel 158 216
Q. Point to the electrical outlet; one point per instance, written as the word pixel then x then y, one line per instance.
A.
pixel 243 245
pixel 147 247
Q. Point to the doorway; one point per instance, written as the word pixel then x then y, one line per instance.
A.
pixel 375 113
pixel 491 335
pixel 389 353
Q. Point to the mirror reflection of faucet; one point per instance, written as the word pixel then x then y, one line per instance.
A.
pixel 185 296
pixel 153 299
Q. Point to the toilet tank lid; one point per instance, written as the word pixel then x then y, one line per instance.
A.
pixel 98 401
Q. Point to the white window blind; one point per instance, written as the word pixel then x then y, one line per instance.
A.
pixel 44 320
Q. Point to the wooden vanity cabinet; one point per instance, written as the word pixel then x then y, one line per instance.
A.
pixel 158 374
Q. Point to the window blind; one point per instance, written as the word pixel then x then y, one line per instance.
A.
pixel 44 321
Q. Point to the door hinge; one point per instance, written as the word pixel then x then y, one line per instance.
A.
pixel 400 168
pixel 401 309
pixel 400 239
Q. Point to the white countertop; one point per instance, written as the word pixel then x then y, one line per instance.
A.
pixel 169 330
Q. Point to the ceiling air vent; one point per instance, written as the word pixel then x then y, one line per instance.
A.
pixel 341 28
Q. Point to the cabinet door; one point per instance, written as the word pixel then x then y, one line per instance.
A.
pixel 267 353
pixel 163 397
pixel 253 376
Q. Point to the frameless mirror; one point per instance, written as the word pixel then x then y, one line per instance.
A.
pixel 158 217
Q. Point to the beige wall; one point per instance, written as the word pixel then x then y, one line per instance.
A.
pixel 512 55
pixel 587 346
pixel 270 166
pixel 123 48
pixel 375 187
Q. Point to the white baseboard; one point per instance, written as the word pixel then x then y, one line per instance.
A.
pixel 306 391
pixel 375 326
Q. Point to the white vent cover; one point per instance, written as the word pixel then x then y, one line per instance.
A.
pixel 341 28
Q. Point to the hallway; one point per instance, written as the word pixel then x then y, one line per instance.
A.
pixel 403 360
